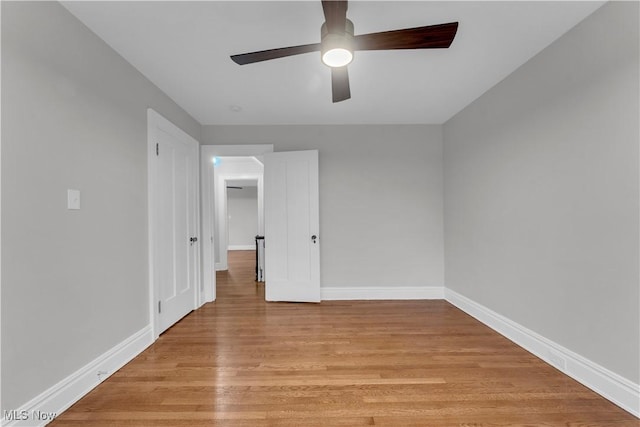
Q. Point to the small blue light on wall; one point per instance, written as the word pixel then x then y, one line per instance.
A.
pixel 216 161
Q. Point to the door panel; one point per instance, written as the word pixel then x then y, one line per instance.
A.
pixel 175 254
pixel 291 211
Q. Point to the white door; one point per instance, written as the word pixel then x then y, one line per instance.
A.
pixel 175 231
pixel 291 226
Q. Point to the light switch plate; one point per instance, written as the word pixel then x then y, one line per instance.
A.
pixel 73 199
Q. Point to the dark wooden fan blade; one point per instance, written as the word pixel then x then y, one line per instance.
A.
pixel 335 15
pixel 265 55
pixel 429 37
pixel 340 84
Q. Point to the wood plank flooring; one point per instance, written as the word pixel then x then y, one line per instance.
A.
pixel 243 362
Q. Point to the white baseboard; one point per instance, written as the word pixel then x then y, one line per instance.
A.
pixel 610 385
pixel 377 293
pixel 61 396
pixel 242 247
pixel 221 266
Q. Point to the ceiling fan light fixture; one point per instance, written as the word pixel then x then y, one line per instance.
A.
pixel 337 57
pixel 338 44
pixel 337 48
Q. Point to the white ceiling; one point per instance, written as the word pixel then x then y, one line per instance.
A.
pixel 184 47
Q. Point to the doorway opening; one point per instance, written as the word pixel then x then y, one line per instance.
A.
pixel 232 176
pixel 215 243
pixel 291 216
pixel 244 221
pixel 242 214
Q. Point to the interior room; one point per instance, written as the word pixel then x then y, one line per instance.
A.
pixel 469 188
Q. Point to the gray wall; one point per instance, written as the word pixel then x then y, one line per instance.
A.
pixel 541 193
pixel 242 209
pixel 380 198
pixel 74 283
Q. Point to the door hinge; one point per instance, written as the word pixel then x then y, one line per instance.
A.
pixel 157 149
pixel 159 306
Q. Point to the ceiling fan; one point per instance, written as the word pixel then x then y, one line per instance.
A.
pixel 338 44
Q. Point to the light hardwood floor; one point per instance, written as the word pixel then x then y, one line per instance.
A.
pixel 243 362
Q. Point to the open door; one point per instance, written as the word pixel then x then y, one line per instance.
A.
pixel 291 226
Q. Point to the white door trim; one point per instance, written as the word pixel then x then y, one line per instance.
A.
pixel 154 121
pixel 207 153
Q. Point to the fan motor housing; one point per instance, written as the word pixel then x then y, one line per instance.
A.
pixel 343 40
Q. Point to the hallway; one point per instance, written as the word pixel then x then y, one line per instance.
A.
pixel 243 362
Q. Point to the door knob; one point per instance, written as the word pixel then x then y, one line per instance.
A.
pixel 313 238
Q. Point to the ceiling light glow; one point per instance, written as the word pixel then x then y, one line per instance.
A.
pixel 337 57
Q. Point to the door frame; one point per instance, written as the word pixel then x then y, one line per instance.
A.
pixel 208 206
pixel 154 121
